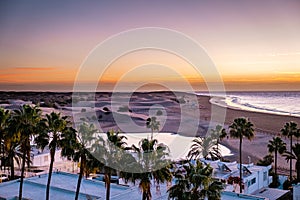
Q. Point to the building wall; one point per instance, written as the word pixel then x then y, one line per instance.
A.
pixel 296 192
pixel 257 180
pixel 43 159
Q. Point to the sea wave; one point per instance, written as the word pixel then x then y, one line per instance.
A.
pixel 237 103
pixel 280 103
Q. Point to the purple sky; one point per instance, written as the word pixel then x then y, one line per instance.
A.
pixel 45 42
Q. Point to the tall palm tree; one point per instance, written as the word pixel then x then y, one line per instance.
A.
pixel 114 145
pixel 240 128
pixel 194 181
pixel 4 117
pixel 109 152
pixel 290 130
pixel 203 147
pixel 26 120
pixel 51 136
pixel 153 125
pixel 12 147
pixel 295 155
pixel 85 138
pixel 277 145
pixel 152 164
pixel 218 134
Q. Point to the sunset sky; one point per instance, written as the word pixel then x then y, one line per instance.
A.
pixel 255 45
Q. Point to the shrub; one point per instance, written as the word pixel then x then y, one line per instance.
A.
pixel 266 161
pixel 275 183
pixel 123 109
pixel 287 185
pixel 159 113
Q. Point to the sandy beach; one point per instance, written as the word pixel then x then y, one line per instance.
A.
pixel 180 118
pixel 266 127
pixel 180 113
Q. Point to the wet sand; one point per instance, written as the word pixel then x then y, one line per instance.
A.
pixel 266 127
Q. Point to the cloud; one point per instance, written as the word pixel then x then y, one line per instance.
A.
pixel 284 54
pixel 35 68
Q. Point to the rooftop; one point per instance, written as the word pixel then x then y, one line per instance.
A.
pixel 236 196
pixel 272 193
pixel 63 186
pixel 224 170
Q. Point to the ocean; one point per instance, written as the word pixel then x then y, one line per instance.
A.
pixel 281 103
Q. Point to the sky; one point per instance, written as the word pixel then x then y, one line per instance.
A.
pixel 255 45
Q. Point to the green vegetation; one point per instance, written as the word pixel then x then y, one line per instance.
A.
pixel 26 121
pixel 294 155
pixel 124 109
pixel 266 160
pixel 194 181
pixel 53 127
pixel 159 113
pixel 290 130
pixel 240 128
pixel 277 146
pixel 151 161
pixel 204 147
pixel 153 124
pixel 218 134
pixel 208 147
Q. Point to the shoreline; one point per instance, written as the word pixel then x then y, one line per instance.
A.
pixel 263 122
pixel 266 125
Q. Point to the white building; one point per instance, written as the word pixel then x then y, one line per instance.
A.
pixel 296 192
pixel 63 186
pixel 42 158
pixel 254 177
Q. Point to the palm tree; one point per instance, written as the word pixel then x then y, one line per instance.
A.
pixel 194 181
pixel 26 120
pixel 85 138
pixel 203 147
pixel 51 136
pixel 12 148
pixel 277 145
pixel 109 153
pixel 4 116
pixel 290 130
pixel 153 125
pixel 152 164
pixel 218 134
pixel 115 143
pixel 241 127
pixel 294 155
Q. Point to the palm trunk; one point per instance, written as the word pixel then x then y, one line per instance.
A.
pixel 298 169
pixel 1 152
pixel 218 151
pixel 241 177
pixel 291 161
pixel 22 175
pixel 276 162
pixel 80 176
pixel 12 167
pixel 52 155
pixel 151 134
pixel 218 146
pixel 146 195
pixel 107 183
